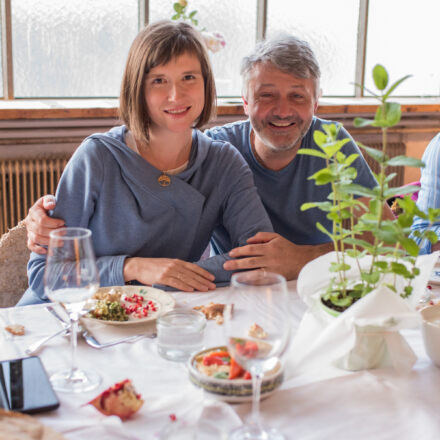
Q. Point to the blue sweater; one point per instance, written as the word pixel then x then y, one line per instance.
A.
pixel 110 189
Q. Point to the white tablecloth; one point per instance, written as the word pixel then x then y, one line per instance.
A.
pixel 374 404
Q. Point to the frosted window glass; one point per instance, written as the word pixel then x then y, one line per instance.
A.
pixel 236 20
pixel 330 27
pixel 71 48
pixel 405 38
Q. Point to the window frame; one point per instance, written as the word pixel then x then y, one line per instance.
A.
pixel 261 25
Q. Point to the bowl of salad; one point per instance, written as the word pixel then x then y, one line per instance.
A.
pixel 217 372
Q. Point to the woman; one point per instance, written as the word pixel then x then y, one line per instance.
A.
pixel 153 190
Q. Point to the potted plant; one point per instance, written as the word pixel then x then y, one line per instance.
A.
pixel 389 260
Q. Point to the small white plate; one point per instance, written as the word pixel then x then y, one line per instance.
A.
pixel 164 303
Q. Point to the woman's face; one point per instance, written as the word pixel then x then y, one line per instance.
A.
pixel 175 94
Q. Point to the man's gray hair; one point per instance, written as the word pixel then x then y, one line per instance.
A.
pixel 288 54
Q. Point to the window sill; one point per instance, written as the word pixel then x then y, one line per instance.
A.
pixel 107 108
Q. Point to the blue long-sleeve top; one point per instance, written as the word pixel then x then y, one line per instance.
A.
pixel 429 194
pixel 113 191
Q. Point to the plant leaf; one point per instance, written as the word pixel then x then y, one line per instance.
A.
pixel 380 76
pixel 323 206
pixel 362 122
pixel 322 177
pixel 354 188
pixel 399 269
pixel 393 87
pixel 410 246
pixel 322 229
pixel 391 192
pixel 320 138
pixel 312 152
pixel 376 154
pixel 406 162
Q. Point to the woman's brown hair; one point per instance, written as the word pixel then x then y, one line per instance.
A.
pixel 155 45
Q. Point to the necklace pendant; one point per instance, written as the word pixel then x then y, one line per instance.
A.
pixel 164 180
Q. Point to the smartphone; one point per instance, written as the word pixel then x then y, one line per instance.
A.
pixel 25 387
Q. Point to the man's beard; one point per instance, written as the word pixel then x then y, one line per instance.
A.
pixel 290 144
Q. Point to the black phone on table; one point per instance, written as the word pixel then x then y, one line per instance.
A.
pixel 25 387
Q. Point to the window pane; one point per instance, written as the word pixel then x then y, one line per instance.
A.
pixel 330 27
pixel 404 37
pixel 236 20
pixel 71 48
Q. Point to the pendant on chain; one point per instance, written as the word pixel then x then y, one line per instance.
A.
pixel 164 180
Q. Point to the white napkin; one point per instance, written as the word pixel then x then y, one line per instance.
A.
pixel 369 327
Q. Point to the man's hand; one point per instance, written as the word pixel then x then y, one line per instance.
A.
pixel 170 272
pixel 274 253
pixel 39 224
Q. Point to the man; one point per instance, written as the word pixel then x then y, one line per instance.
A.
pixel 280 94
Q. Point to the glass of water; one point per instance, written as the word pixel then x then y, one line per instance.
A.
pixel 180 333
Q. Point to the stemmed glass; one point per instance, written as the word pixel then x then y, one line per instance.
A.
pixel 257 333
pixel 70 278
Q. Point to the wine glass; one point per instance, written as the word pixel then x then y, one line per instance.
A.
pixel 257 332
pixel 70 278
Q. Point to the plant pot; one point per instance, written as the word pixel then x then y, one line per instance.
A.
pixel 369 350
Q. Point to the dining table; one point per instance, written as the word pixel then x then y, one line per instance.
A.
pixel 380 404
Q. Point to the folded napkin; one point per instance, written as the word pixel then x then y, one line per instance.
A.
pixel 364 336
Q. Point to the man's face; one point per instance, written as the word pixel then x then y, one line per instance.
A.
pixel 280 107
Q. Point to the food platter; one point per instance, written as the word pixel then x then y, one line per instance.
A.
pixel 142 304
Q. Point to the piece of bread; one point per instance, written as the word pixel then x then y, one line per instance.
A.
pixel 119 400
pixel 213 311
pixel 15 329
pixel 255 331
pixel 17 426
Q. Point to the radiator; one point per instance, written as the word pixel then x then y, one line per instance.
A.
pixel 393 149
pixel 23 181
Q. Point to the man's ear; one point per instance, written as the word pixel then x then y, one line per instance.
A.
pixel 245 105
pixel 315 108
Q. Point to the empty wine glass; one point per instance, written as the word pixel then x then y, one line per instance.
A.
pixel 71 278
pixel 257 332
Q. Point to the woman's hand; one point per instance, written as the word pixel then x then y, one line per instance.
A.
pixel 39 224
pixel 168 271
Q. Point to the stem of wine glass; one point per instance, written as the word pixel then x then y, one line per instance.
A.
pixel 74 318
pixel 257 379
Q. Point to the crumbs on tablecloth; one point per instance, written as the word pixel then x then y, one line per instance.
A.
pixel 213 311
pixel 15 329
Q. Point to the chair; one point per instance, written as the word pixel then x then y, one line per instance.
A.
pixel 14 256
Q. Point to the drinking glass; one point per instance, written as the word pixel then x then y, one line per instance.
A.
pixel 71 278
pixel 257 332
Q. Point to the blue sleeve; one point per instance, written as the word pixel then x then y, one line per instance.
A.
pixel 429 194
pixel 77 193
pixel 243 212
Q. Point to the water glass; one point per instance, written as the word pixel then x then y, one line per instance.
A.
pixel 180 333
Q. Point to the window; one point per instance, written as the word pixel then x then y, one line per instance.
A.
pixel 77 48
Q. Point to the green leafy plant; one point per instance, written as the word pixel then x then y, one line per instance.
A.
pixel 182 13
pixel 392 250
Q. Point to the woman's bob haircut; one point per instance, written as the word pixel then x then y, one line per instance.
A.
pixel 155 45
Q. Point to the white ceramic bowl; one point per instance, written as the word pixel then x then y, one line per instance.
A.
pixel 431 332
pixel 236 390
